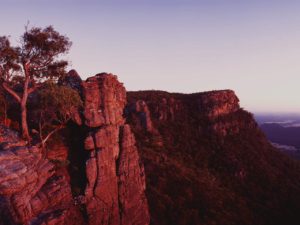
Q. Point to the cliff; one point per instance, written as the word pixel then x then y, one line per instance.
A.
pixel 115 190
pixel 207 162
pixel 91 173
pixel 148 157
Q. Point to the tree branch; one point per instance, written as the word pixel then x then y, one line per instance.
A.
pixel 51 133
pixel 12 92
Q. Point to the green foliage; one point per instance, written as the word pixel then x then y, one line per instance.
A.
pixel 25 67
pixel 8 57
pixel 39 52
pixel 58 103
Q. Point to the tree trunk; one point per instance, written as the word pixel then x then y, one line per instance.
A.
pixel 25 131
pixel 5 113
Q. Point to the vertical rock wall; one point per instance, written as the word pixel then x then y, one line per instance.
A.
pixel 35 191
pixel 115 190
pixel 132 199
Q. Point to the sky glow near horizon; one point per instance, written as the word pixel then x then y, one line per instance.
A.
pixel 179 45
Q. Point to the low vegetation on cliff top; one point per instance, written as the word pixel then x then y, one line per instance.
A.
pixel 196 176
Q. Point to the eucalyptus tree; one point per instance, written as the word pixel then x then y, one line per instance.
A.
pixel 35 59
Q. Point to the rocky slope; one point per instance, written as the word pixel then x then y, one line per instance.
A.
pixel 207 162
pixel 32 189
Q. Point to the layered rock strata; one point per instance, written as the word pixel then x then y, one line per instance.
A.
pixel 218 103
pixel 115 190
pixel 32 190
pixel 147 108
pixel 37 190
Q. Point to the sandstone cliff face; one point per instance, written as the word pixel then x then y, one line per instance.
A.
pixel 116 185
pixel 148 109
pixel 204 162
pixel 104 100
pixel 37 190
pixel 166 108
pixel 131 183
pixel 141 111
pixel 32 190
pixel 209 163
pixel 218 103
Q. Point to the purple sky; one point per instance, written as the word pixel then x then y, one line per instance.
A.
pixel 252 47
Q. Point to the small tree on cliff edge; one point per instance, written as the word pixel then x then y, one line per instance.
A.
pixel 57 105
pixel 35 60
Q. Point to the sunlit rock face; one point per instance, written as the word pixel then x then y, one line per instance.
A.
pixel 32 189
pixel 218 103
pixel 131 181
pixel 36 186
pixel 104 100
pixel 131 158
pixel 140 110
pixel 115 189
pixel 147 110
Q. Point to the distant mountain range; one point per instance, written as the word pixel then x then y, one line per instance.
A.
pixel 282 131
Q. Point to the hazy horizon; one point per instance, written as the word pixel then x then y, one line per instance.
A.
pixel 184 46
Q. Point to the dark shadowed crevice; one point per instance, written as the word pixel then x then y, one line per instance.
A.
pixel 121 130
pixel 5 215
pixel 77 157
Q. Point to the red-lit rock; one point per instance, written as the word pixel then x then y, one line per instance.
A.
pixel 218 103
pixel 102 190
pixel 110 185
pixel 104 100
pixel 140 108
pixel 35 190
pixel 131 182
pixel 31 189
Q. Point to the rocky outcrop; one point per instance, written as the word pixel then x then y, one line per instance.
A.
pixel 160 106
pixel 131 182
pixel 166 108
pixel 204 161
pixel 214 165
pixel 115 190
pixel 102 190
pixel 146 108
pixel 141 112
pixel 104 100
pixel 37 190
pixel 231 124
pixel 32 190
pixel 218 103
pixel 72 80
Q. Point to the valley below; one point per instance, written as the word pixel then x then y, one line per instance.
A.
pixel 283 131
